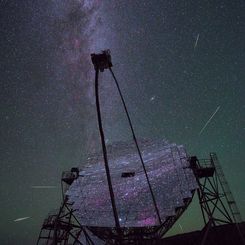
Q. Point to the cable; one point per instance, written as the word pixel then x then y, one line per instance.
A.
pixel 136 143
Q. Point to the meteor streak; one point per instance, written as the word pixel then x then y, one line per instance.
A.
pixel 209 120
pixel 196 41
pixel 43 187
pixel 21 219
pixel 180 226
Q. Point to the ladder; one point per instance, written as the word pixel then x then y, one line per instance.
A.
pixel 226 189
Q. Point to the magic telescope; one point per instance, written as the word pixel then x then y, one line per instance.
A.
pixel 133 192
pixel 123 192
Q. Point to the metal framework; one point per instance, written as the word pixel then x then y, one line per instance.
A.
pixel 215 198
pixel 137 235
pixel 216 201
pixel 62 227
pixel 103 61
pixel 217 206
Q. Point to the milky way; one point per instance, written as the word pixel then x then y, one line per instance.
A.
pixel 48 120
pixel 79 29
pixel 75 26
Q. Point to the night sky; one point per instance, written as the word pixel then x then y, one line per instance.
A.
pixel 177 63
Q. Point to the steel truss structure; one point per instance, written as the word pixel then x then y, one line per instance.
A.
pixel 216 201
pixel 215 197
pixel 136 235
pixel 62 227
pixel 216 204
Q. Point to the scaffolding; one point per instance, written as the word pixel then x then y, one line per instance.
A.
pixel 216 201
pixel 62 226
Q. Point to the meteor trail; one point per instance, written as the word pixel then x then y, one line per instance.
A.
pixel 21 219
pixel 196 41
pixel 181 227
pixel 209 120
pixel 43 187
